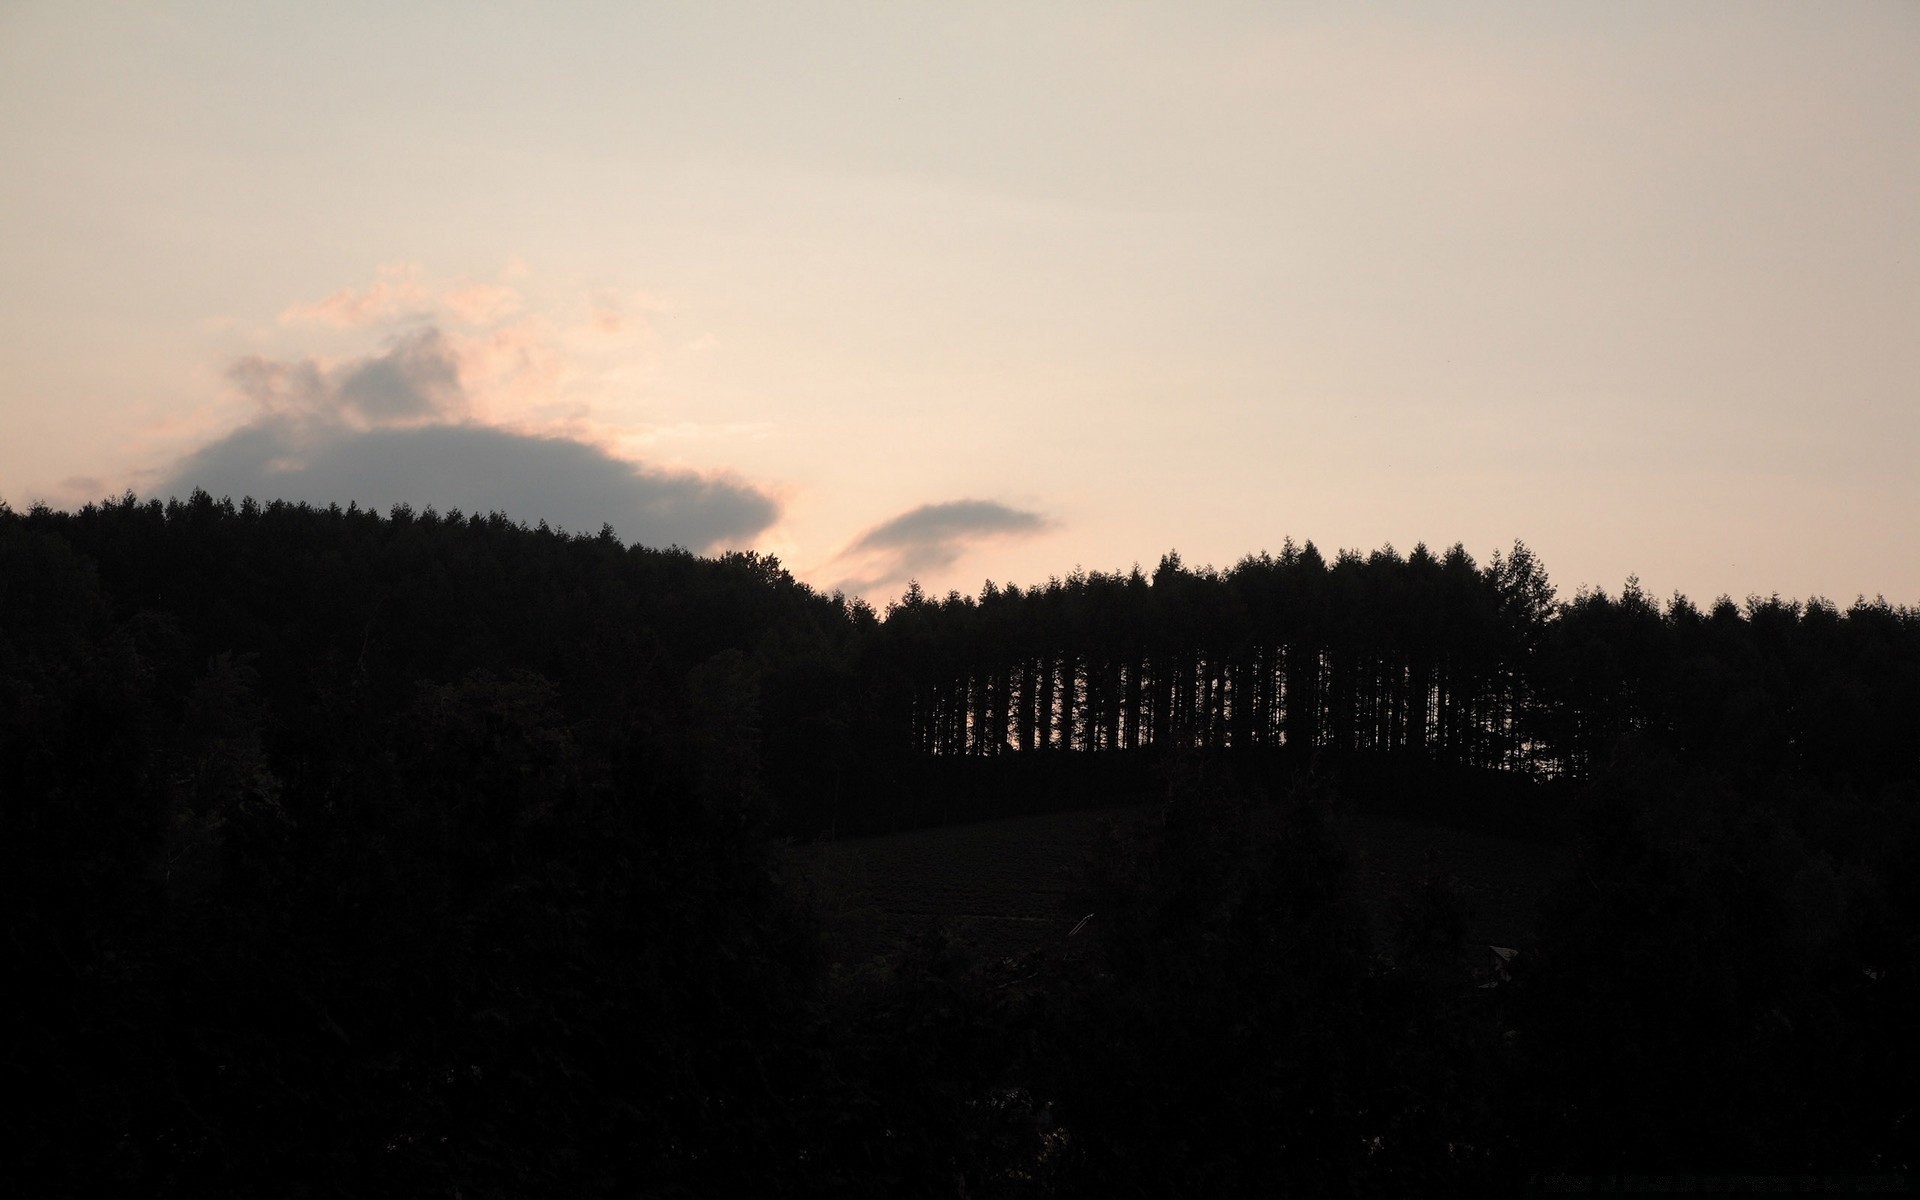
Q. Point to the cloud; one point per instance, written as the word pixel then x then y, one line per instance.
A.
pixel 403 293
pixel 395 427
pixel 483 303
pixel 566 483
pixel 416 379
pixel 529 356
pixel 928 538
pixel 397 293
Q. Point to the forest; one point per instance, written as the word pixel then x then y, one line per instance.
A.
pixel 435 854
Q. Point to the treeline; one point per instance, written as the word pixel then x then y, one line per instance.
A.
pixel 338 616
pixel 1434 658
pixel 1434 662
pixel 859 720
pixel 352 854
pixel 431 854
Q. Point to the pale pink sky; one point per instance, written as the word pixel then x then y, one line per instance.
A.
pixel 973 291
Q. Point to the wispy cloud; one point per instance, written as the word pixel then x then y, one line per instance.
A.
pixel 928 538
pixel 399 292
pixel 483 303
pixel 531 358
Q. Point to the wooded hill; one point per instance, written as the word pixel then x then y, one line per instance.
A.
pixel 1423 655
pixel 429 854
pixel 1424 660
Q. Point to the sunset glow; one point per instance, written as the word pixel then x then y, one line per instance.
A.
pixel 990 291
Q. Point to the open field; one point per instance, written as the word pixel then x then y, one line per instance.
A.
pixel 1008 885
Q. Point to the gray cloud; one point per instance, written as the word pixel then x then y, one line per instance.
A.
pixel 385 430
pixel 929 538
pixel 417 378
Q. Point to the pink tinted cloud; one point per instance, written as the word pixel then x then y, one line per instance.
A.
pixel 483 303
pixel 511 367
pixel 506 354
pixel 514 372
pixel 606 315
pixel 397 293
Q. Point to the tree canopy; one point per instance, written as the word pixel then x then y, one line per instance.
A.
pixel 431 853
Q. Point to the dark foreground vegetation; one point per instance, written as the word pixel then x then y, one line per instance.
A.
pixel 434 855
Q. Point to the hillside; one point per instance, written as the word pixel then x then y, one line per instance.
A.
pixel 431 854
pixel 1016 885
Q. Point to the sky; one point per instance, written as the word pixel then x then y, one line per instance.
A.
pixel 977 291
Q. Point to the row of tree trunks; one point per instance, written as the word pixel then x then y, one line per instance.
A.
pixel 1269 696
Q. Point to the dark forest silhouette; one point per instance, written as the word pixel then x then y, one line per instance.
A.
pixel 1430 656
pixel 433 854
